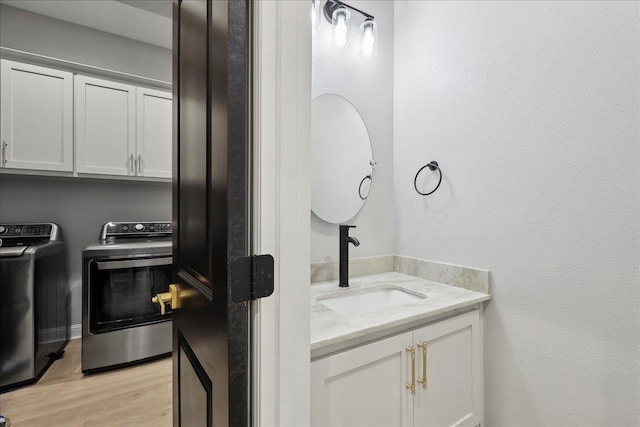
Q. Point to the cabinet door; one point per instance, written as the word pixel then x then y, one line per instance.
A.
pixel 153 132
pixel 364 386
pixel 36 121
pixel 105 127
pixel 453 393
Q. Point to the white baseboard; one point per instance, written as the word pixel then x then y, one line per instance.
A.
pixel 76 331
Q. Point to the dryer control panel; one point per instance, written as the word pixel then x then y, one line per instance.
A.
pixel 116 230
pixel 25 230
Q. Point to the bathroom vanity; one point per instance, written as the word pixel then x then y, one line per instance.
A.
pixel 396 350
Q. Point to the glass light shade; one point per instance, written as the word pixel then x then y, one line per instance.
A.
pixel 369 45
pixel 341 22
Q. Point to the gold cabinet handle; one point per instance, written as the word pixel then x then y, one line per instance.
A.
pixel 140 164
pixel 131 164
pixel 412 385
pixel 174 297
pixel 423 380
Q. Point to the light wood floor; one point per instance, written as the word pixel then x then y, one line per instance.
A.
pixel 136 396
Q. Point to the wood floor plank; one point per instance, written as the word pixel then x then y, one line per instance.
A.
pixel 135 396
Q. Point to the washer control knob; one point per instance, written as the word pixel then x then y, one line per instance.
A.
pixel 3 229
pixel 139 227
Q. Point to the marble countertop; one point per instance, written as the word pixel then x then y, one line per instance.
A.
pixel 332 331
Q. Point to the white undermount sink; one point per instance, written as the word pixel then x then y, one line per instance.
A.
pixel 363 300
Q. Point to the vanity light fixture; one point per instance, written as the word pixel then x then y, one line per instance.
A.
pixel 338 14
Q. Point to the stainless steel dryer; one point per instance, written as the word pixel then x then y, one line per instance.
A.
pixel 33 306
pixel 122 272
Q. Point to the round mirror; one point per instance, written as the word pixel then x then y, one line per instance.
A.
pixel 341 159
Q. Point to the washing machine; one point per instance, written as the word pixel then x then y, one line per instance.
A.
pixel 34 327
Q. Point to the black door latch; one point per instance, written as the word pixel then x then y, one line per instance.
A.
pixel 252 277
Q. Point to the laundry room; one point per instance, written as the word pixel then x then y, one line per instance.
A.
pixel 86 141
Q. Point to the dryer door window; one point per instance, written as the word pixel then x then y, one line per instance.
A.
pixel 120 292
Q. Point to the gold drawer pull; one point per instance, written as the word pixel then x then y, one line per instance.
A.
pixel 423 380
pixel 412 385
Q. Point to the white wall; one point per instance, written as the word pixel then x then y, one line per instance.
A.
pixel 368 85
pixel 531 108
pixel 81 207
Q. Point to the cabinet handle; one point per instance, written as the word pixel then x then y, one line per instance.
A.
pixel 140 164
pixel 423 380
pixel 131 164
pixel 4 153
pixel 412 385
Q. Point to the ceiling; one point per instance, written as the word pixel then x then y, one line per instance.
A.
pixel 148 21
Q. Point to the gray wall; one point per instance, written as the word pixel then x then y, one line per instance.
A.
pixel 34 33
pixel 80 207
pixel 531 108
pixel 368 85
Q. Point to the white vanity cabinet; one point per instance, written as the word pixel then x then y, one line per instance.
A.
pixel 370 385
pixel 122 129
pixel 364 386
pixel 36 117
pixel 451 351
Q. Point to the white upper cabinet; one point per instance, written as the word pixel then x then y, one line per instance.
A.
pixel 36 118
pixel 122 129
pixel 105 126
pixel 154 133
pixel 51 120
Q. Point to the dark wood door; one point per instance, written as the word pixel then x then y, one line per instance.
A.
pixel 210 211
